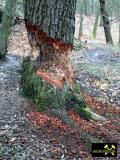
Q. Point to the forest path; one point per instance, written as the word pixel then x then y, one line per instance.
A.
pixel 98 70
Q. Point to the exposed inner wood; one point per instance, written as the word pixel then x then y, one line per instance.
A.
pixel 38 34
pixel 53 56
pixel 58 82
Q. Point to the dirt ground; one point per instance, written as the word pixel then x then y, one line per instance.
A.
pixel 26 134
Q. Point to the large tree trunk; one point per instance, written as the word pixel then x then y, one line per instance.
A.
pixel 47 76
pixel 7 21
pixel 50 26
pixel 106 23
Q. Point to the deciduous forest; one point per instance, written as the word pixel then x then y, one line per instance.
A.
pixel 59 79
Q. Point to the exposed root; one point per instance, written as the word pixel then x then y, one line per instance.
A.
pixel 63 115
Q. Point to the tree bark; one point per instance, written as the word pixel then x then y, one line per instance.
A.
pixel 119 35
pixel 94 33
pixel 7 21
pixel 1 14
pixel 50 26
pixel 81 20
pixel 106 23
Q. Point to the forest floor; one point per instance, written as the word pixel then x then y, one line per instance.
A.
pixel 26 134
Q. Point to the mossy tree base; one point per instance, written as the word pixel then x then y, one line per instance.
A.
pixel 48 96
pixel 45 95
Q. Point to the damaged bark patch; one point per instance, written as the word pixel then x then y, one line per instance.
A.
pixel 49 79
pixel 43 37
pixel 38 89
pixel 52 56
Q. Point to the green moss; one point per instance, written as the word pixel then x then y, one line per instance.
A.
pixel 47 96
pixel 42 93
pixel 85 112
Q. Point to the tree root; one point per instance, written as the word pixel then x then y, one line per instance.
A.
pixel 63 115
pixel 87 112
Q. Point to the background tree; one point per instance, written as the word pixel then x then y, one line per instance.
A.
pixel 7 21
pixel 119 35
pixel 96 20
pixel 106 23
pixel 53 30
pixel 81 18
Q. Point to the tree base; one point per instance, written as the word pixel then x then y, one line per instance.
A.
pixel 46 95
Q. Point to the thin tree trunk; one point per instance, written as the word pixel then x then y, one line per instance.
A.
pixel 1 14
pixel 119 35
pixel 87 7
pixel 96 21
pixel 106 23
pixel 7 21
pixel 81 19
pixel 101 20
pixel 93 7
